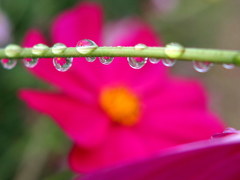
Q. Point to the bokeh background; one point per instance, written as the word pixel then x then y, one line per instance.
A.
pixel 32 147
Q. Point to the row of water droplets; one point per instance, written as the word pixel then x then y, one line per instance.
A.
pixel 85 46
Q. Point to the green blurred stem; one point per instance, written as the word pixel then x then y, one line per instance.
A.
pixel 189 54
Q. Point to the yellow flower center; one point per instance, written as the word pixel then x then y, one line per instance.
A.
pixel 121 105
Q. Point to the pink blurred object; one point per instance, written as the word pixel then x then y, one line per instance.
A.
pixel 5 29
pixel 172 111
pixel 204 160
pixel 164 6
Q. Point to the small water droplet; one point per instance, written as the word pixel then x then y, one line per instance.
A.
pixel 154 60
pixel 140 47
pixel 202 66
pixel 8 63
pixel 30 62
pixel 58 48
pixel 137 62
pixel 169 62
pixel 39 49
pixel 62 64
pixel 12 50
pixel 106 60
pixel 90 59
pixel 228 66
pixel 174 50
pixel 227 131
pixel 86 46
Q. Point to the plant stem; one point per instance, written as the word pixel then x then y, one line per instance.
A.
pixel 189 54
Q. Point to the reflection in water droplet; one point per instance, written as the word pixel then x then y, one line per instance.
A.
pixel 140 47
pixel 58 48
pixel 228 66
pixel 90 59
pixel 137 62
pixel 12 50
pixel 30 62
pixel 202 66
pixel 86 46
pixel 154 60
pixel 169 62
pixel 106 60
pixel 8 63
pixel 62 64
pixel 39 49
pixel 174 50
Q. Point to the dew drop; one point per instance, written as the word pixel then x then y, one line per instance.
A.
pixel 58 48
pixel 228 66
pixel 106 60
pixel 169 62
pixel 8 63
pixel 137 62
pixel 12 50
pixel 140 47
pixel 86 46
pixel 90 59
pixel 202 66
pixel 154 60
pixel 227 131
pixel 174 50
pixel 62 64
pixel 39 49
pixel 30 62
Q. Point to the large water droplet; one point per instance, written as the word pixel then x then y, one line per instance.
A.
pixel 154 60
pixel 12 50
pixel 106 60
pixel 86 46
pixel 228 66
pixel 137 62
pixel 174 50
pixel 62 64
pixel 8 63
pixel 140 47
pixel 58 48
pixel 39 49
pixel 90 59
pixel 169 62
pixel 30 62
pixel 202 66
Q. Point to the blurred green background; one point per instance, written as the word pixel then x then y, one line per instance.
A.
pixel 32 147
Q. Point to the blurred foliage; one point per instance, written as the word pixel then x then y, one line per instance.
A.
pixel 29 142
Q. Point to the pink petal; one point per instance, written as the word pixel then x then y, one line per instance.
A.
pixel 206 160
pixel 132 31
pixel 129 32
pixel 85 124
pixel 84 21
pixel 180 125
pixel 121 145
pixel 66 81
pixel 176 93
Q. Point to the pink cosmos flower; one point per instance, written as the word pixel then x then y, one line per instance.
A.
pixel 115 113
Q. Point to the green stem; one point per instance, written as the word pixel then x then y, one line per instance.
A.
pixel 189 54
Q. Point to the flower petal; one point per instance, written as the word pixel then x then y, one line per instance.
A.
pixel 180 125
pixel 121 145
pixel 84 21
pixel 129 32
pixel 176 93
pixel 66 81
pixel 72 116
pixel 205 160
